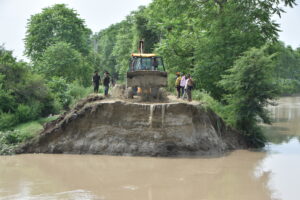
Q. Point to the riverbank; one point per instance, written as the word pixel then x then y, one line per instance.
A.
pixel 120 127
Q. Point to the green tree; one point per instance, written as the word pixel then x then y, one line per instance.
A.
pixel 21 92
pixel 287 71
pixel 60 88
pixel 55 24
pixel 62 60
pixel 251 87
pixel 106 40
pixel 124 46
pixel 142 30
pixel 206 37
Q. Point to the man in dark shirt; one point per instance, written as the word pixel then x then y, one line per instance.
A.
pixel 106 81
pixel 96 82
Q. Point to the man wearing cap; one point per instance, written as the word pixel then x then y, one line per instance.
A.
pixel 96 81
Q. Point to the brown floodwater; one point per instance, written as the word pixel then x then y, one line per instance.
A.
pixel 272 173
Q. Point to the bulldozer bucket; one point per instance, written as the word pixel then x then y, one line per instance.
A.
pixel 147 79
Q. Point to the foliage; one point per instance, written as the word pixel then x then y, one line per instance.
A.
pixel 225 112
pixel 62 60
pixel 77 92
pixel 23 94
pixel 288 86
pixel 7 120
pixel 287 71
pixel 66 94
pixel 142 30
pixel 116 43
pixel 206 37
pixel 123 47
pixel 55 24
pixel 26 113
pixel 105 41
pixel 21 133
pixel 251 86
pixel 59 87
pixel 200 37
pixel 211 39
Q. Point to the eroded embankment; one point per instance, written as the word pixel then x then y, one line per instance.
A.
pixel 114 127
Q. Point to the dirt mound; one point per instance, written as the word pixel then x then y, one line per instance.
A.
pixel 102 126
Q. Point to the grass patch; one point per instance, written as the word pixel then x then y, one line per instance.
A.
pixel 21 133
pixel 33 127
pixel 226 112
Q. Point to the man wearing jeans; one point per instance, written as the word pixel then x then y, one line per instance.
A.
pixel 106 81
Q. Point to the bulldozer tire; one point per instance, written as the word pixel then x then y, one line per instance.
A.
pixel 129 93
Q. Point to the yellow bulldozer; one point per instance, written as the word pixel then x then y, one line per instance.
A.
pixel 146 72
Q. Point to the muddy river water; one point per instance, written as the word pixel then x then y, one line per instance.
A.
pixel 272 173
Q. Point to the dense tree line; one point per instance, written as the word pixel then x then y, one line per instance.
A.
pixel 203 37
pixel 216 41
pixel 287 68
pixel 24 95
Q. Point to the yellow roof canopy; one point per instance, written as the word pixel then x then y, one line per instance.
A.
pixel 145 55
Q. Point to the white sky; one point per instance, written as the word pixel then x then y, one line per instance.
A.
pixel 99 14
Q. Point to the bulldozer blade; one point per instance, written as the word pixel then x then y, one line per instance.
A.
pixel 147 79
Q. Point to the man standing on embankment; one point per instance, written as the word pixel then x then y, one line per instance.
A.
pixel 106 81
pixel 96 81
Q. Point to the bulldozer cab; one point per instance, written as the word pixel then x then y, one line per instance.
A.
pixel 147 72
pixel 149 62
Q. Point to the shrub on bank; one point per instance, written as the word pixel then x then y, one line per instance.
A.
pixel 224 111
pixel 10 139
pixel 7 120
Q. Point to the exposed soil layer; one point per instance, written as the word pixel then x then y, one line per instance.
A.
pixel 118 127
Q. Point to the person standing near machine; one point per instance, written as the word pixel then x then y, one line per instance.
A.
pixel 96 81
pixel 189 86
pixel 182 85
pixel 177 84
pixel 106 82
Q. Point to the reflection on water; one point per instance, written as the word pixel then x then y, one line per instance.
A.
pixel 283 164
pixel 286 116
pixel 283 152
pixel 241 175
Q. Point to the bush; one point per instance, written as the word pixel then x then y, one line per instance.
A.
pixel 224 111
pixel 59 88
pixel 7 101
pixel 171 82
pixel 10 139
pixel 251 87
pixel 77 91
pixel 24 113
pixel 7 120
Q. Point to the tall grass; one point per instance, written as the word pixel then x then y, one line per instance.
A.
pixel 224 111
pixel 11 138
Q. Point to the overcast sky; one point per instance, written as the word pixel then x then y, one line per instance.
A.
pixel 99 14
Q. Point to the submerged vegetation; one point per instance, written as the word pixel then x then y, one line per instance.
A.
pixel 230 47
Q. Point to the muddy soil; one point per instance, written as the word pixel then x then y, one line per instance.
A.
pixel 129 127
